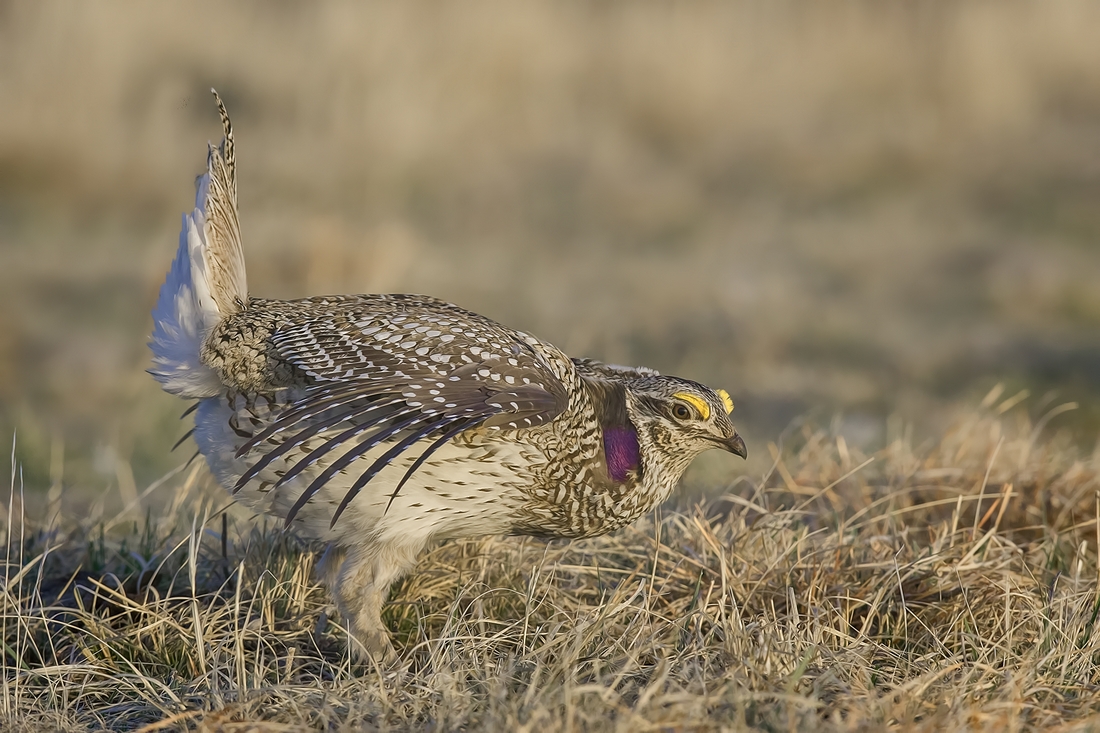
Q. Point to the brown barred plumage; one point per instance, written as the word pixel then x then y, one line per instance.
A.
pixel 382 423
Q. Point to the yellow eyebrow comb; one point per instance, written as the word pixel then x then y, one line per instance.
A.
pixel 725 399
pixel 697 402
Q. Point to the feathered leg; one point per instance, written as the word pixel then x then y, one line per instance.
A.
pixel 361 587
pixel 328 567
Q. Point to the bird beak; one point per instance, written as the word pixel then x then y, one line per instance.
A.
pixel 736 446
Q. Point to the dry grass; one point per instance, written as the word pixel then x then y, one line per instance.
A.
pixel 951 585
pixel 872 207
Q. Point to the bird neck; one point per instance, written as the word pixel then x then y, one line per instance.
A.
pixel 620 445
pixel 622 452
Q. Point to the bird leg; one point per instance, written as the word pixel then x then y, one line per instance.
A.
pixel 360 579
pixel 328 567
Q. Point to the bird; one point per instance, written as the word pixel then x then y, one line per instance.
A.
pixel 382 424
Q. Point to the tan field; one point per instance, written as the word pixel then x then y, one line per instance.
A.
pixel 858 218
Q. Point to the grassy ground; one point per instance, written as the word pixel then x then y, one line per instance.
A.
pixel 869 210
pixel 946 585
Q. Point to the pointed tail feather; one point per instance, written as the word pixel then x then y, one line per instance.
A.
pixel 222 255
pixel 207 280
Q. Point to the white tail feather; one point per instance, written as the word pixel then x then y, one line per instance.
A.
pixel 207 280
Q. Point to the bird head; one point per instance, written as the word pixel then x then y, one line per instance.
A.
pixel 679 419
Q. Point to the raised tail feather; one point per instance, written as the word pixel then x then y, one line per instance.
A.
pixel 207 280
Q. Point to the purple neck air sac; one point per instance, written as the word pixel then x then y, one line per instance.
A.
pixel 621 447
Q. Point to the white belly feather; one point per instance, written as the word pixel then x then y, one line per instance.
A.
pixel 461 490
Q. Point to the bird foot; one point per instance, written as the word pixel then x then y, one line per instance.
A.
pixel 372 647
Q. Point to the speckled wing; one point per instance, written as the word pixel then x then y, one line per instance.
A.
pixel 593 368
pixel 391 369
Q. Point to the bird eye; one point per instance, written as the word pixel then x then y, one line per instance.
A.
pixel 681 412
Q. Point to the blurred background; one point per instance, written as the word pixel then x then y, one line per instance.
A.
pixel 864 213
